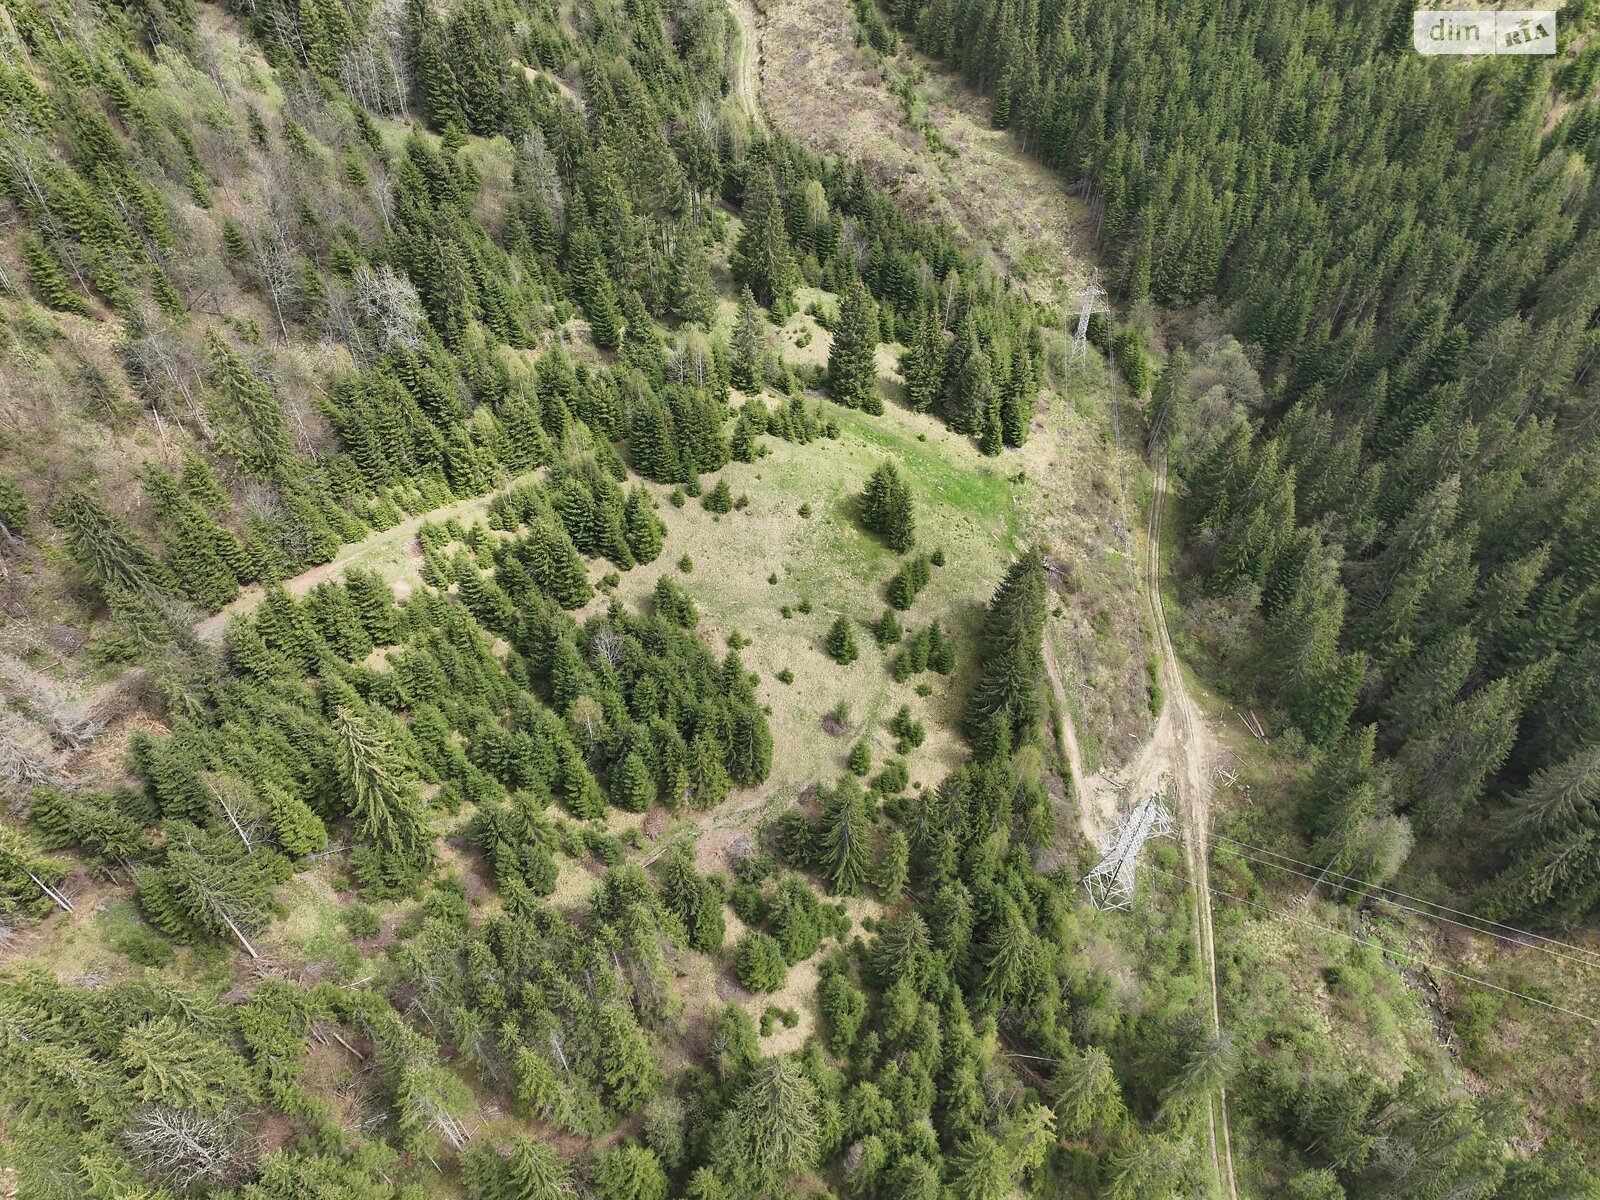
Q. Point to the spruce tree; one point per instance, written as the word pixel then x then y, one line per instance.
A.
pixel 628 1172
pixel 633 788
pixel 177 1065
pixel 886 508
pixel 106 548
pixel 776 1130
pixel 554 564
pixel 846 840
pixel 252 427
pixel 861 757
pixel 745 363
pixel 16 519
pixel 298 830
pixel 1016 400
pixel 974 398
pixel 841 641
pixel 759 963
pixel 641 527
pixel 852 358
pixel 389 815
pixel 49 281
pixel 692 294
pixel 708 774
pixel 629 1064
pixel 27 877
pixel 374 603
pixel 1005 699
pixel 922 365
pixel 889 876
pixel 887 632
pixel 1086 1090
pixel 761 256
pixel 749 746
pixel 207 560
pixel 535 1172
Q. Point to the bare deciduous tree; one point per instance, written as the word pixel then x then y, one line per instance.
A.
pixel 690 359
pixel 163 367
pixel 374 72
pixel 543 177
pixel 389 304
pixel 269 230
pixel 182 1147
pixel 28 760
pixel 854 242
pixel 59 707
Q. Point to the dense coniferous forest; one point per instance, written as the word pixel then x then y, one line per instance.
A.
pixel 503 283
pixel 1406 509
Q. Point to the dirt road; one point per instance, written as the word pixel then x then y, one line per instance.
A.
pixel 746 63
pixel 1183 750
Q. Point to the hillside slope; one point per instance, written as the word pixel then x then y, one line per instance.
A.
pixel 535 605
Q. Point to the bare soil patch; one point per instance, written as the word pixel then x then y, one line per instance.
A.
pixel 818 86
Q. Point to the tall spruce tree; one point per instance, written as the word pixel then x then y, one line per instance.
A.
pixel 852 358
pixel 761 256
pixel 1003 709
pixel 389 815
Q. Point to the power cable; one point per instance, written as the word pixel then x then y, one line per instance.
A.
pixel 1512 932
pixel 1582 962
pixel 1383 949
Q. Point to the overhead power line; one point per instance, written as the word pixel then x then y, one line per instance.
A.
pixel 1511 932
pixel 1361 891
pixel 1383 949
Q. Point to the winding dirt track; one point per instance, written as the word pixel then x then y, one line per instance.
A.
pixel 746 63
pixel 1183 741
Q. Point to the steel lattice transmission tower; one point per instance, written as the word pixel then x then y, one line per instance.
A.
pixel 1110 884
pixel 1094 301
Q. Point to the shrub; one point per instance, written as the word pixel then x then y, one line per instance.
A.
pixel 893 778
pixel 362 921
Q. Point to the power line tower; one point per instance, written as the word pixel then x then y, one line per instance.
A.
pixel 1110 884
pixel 1094 301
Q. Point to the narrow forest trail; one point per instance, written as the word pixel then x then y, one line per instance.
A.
pixel 1085 791
pixel 1183 745
pixel 389 551
pixel 747 63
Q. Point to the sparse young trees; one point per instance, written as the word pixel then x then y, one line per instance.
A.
pixel 1404 513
